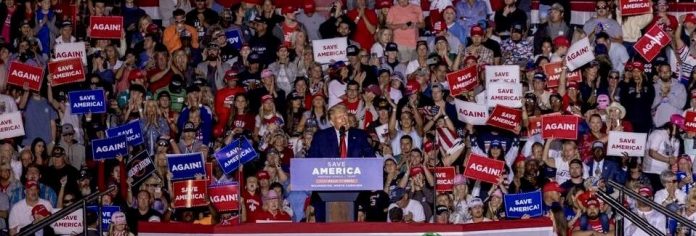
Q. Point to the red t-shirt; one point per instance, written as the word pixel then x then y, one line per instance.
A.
pixel 595 225
pixel 362 35
pixel 252 205
pixel 352 106
pixel 246 121
pixel 162 82
pixel 224 102
pixel 288 33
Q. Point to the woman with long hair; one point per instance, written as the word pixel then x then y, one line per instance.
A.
pixel 317 117
pixel 241 119
pixel 267 121
pixel 494 208
pixel 294 114
pixel 142 28
pixel 40 152
pixel 154 124
pixel 118 226
pixel 596 133
pixel 384 36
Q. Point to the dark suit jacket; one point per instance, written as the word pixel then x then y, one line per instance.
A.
pixel 325 144
pixel 610 171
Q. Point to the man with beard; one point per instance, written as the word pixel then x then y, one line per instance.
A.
pixel 264 43
pixel 517 49
pixel 647 212
pixel 593 222
pixel 576 180
pixel 213 69
pixel 84 183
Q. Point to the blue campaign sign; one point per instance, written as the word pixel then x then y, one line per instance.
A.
pixel 517 205
pixel 333 174
pixel 234 37
pixel 87 101
pixel 132 131
pixel 107 211
pixel 186 166
pixel 109 148
pixel 238 152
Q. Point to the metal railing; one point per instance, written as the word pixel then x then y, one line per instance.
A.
pixel 658 207
pixel 81 204
pixel 642 223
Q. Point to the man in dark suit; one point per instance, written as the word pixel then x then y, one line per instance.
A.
pixel 340 141
pixel 602 168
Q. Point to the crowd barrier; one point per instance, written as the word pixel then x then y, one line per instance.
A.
pixel 541 226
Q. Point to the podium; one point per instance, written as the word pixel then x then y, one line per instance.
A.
pixel 337 182
pixel 340 206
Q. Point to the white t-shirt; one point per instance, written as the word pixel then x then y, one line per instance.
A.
pixel 396 141
pixel 659 141
pixel 413 207
pixel 562 168
pixel 471 221
pixel 20 213
pixel 661 195
pixel 653 217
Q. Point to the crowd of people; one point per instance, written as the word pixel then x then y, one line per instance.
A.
pixel 193 89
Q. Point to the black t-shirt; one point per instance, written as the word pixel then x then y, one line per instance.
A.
pixel 52 177
pixel 374 204
pixel 133 216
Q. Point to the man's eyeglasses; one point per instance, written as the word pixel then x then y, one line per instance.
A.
pixel 601 7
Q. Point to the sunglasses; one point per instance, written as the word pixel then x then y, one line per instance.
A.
pixel 162 144
pixel 601 7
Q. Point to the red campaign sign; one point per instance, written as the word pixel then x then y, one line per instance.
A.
pixel 505 118
pixel 635 7
pixel 690 121
pixel 105 27
pixel 559 126
pixel 574 76
pixel 463 80
pixel 483 168
pixel 444 178
pixel 652 42
pixel 553 73
pixel 225 198
pixel 189 193
pixel 19 74
pixel 66 71
pixel 534 126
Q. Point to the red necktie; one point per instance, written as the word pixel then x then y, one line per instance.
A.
pixel 343 147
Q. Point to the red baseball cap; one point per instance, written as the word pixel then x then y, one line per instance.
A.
pixel 552 187
pixel 263 175
pixel 645 192
pixel 41 210
pixel 412 86
pixel 561 41
pixel 477 30
pixel 266 98
pixel 231 74
pixel 384 4
pixel 591 202
pixel 637 65
pixel 251 1
pixel 309 7
pixel 288 9
pixel 573 84
pixel 415 171
pixel 690 17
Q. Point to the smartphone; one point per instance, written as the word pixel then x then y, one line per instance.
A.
pixel 434 109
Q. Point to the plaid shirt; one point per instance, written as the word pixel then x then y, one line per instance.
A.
pixel 484 54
